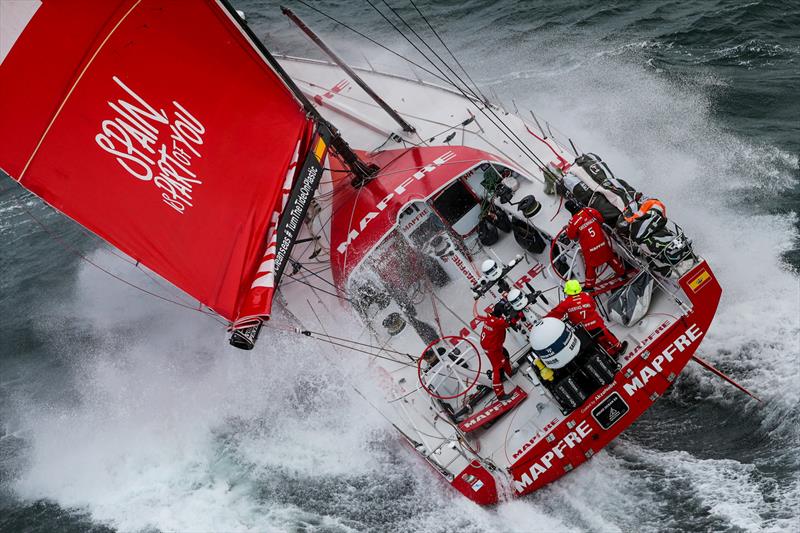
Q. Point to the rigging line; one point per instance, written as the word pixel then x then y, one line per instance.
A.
pixel 461 79
pixel 103 245
pixel 429 285
pixel 309 244
pixel 350 223
pixel 418 167
pixel 382 348
pixel 384 143
pixel 404 36
pixel 290 278
pixel 358 343
pixel 406 395
pixel 506 437
pixel 298 280
pixel 316 275
pixel 373 41
pixel 367 103
pixel 359 350
pixel 412 62
pixel 371 354
pixel 376 355
pixel 379 412
pixel 348 377
pixel 69 247
pixel 161 286
pixel 416 47
pixel 371 104
pixel 449 128
pixel 523 147
pixel 448 49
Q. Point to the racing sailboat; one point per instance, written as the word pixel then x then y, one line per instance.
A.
pixel 388 215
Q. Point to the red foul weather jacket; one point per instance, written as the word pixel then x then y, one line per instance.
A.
pixel 586 226
pixel 579 309
pixel 493 336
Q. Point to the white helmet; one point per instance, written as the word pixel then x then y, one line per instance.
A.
pixel 491 270
pixel 517 299
pixel 554 342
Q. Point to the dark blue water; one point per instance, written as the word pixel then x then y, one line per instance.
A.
pixel 120 412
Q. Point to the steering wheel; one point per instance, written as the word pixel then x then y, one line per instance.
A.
pixel 451 344
pixel 553 244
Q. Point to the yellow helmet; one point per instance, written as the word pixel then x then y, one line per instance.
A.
pixel 572 287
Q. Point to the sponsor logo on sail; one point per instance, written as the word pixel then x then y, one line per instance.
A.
pixel 155 146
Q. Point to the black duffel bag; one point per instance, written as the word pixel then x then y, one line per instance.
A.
pixel 527 236
pixel 501 219
pixel 487 232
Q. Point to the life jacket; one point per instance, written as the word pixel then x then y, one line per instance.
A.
pixel 644 207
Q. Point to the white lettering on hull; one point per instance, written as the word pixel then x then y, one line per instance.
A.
pixel 655 367
pixel 583 429
pixel 543 464
pixel 383 204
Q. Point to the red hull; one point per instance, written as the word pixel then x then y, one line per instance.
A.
pixel 612 409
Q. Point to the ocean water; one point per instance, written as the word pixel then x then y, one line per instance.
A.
pixel 119 412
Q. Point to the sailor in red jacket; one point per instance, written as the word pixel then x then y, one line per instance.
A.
pixel 580 308
pixel 586 226
pixel 493 336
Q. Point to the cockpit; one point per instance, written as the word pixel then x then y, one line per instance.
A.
pixel 432 250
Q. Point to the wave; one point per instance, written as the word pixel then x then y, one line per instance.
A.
pixel 145 422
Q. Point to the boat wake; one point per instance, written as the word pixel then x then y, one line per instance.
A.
pixel 156 424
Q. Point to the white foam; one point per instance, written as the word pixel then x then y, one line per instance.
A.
pixel 172 430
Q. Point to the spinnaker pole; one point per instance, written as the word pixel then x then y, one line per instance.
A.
pixel 708 366
pixel 362 170
pixel 350 72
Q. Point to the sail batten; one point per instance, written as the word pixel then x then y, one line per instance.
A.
pixel 160 127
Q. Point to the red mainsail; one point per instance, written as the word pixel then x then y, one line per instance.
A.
pixel 159 126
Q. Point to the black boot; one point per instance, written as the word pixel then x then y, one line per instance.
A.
pixel 623 349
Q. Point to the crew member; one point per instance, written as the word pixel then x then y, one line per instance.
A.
pixel 580 308
pixel 493 336
pixel 586 226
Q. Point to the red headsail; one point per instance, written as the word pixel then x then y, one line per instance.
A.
pixel 158 125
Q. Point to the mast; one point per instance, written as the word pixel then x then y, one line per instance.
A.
pixel 306 180
pixel 350 72
pixel 362 171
